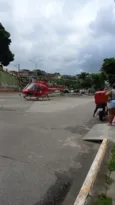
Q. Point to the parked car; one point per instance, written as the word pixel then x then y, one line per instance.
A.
pixel 72 91
pixel 76 91
pixel 66 91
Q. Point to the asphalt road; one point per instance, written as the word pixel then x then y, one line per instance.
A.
pixel 43 159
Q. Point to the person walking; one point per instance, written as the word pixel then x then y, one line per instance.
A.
pixel 111 104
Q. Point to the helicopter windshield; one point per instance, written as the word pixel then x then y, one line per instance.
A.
pixel 31 86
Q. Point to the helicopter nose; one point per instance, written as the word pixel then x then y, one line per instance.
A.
pixel 23 91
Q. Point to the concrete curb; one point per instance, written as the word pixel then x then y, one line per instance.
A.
pixel 91 176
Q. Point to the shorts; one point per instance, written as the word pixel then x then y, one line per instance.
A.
pixel 111 104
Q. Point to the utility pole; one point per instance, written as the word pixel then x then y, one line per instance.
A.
pixel 19 76
pixel 35 65
pixel 19 68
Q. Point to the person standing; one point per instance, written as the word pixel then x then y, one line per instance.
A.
pixel 111 104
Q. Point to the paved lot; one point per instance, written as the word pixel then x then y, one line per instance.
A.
pixel 42 155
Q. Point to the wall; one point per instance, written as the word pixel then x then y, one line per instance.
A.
pixel 8 82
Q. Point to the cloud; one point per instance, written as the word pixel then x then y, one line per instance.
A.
pixel 65 36
pixel 102 37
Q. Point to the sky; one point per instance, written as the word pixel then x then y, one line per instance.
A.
pixel 60 35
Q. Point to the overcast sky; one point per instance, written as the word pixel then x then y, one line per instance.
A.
pixel 66 36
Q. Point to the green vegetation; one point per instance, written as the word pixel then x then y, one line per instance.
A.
pixel 84 80
pixel 108 180
pixel 102 199
pixel 111 165
pixel 113 152
pixel 6 56
pixel 7 78
pixel 109 68
pixel 93 81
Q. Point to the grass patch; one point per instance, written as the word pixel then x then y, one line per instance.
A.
pixel 108 180
pixel 111 164
pixel 102 199
pixel 113 152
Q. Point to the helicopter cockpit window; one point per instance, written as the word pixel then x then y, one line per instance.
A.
pixel 37 87
pixel 31 86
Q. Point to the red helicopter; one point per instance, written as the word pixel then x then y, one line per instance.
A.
pixel 39 89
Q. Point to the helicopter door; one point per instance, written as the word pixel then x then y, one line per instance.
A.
pixel 36 89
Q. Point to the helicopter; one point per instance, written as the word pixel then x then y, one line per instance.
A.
pixel 39 89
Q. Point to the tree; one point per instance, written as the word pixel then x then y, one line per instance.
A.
pixel 108 67
pixel 1 67
pixel 6 56
pixel 68 81
pixel 92 80
pixel 98 80
pixel 83 75
pixel 85 80
pixel 39 72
